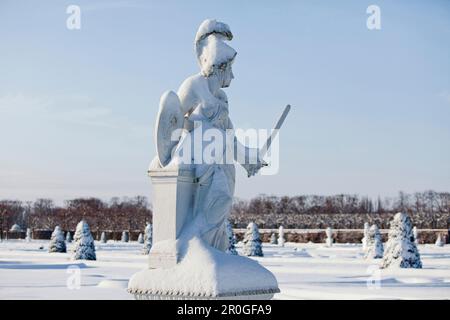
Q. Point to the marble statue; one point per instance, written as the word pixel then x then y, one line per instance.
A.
pixel 193 197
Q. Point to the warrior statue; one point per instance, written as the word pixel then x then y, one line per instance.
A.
pixel 201 100
pixel 193 196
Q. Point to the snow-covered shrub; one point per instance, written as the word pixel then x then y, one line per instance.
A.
pixel 252 241
pixel 15 228
pixel 366 236
pixel 329 240
pixel 439 241
pixel 374 248
pixel 57 243
pixel 28 236
pixel 140 238
pixel 401 250
pixel 103 238
pixel 231 239
pixel 68 237
pixel 273 239
pixel 125 236
pixel 148 237
pixel 84 248
pixel 416 235
pixel 281 236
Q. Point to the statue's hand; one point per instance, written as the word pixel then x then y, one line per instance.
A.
pixel 253 168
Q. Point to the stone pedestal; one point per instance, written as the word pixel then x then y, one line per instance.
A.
pixel 173 190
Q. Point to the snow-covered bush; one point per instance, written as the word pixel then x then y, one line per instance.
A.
pixel 68 237
pixel 252 241
pixel 329 239
pixel 273 239
pixel 140 238
pixel 84 248
pixel 366 236
pixel 28 236
pixel 281 236
pixel 374 248
pixel 57 243
pixel 231 239
pixel 103 238
pixel 125 236
pixel 439 241
pixel 148 237
pixel 401 250
pixel 15 228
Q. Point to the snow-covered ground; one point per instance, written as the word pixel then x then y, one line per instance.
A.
pixel 304 271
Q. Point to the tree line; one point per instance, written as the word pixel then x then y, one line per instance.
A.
pixel 428 210
pixel 118 214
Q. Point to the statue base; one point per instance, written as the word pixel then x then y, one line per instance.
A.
pixel 207 274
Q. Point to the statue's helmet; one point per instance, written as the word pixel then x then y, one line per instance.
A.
pixel 212 51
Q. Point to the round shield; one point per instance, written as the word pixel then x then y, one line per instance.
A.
pixel 169 123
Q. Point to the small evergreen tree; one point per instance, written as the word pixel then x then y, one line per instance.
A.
pixel 125 236
pixel 252 241
pixel 68 237
pixel 439 241
pixel 329 240
pixel 140 238
pixel 281 236
pixel 57 243
pixel 231 239
pixel 148 238
pixel 374 248
pixel 401 250
pixel 84 248
pixel 273 239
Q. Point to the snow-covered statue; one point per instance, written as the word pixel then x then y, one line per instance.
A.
pixel 401 250
pixel 329 239
pixel 366 236
pixel 281 236
pixel 193 181
pixel 28 235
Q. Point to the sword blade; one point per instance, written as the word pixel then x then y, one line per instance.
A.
pixel 274 133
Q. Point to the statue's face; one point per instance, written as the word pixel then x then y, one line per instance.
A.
pixel 227 76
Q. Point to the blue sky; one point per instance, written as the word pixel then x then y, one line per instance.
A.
pixel 371 108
